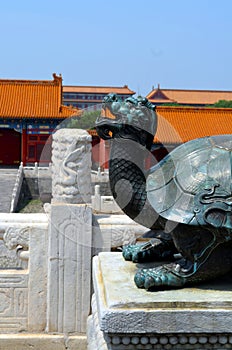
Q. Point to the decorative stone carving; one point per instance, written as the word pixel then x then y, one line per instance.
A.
pixel 115 231
pixel 69 268
pixel 9 259
pixel 71 158
pixel 13 301
pixel 14 237
pixel 16 228
pixel 70 233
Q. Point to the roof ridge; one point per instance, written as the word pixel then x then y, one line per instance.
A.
pixel 194 108
pixel 102 86
pixel 33 99
pixel 21 81
pixel 97 87
pixel 188 90
pixel 57 79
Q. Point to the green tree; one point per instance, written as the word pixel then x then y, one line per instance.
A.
pixel 222 104
pixel 85 121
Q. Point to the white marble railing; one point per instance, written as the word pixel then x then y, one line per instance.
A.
pixel 29 235
pixel 104 204
pixel 113 231
pixel 17 188
pixel 36 168
pixel 15 219
pixel 51 292
pixel 23 290
pixel 36 171
pixel 100 176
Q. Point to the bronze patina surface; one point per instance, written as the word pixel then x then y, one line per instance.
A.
pixel 185 199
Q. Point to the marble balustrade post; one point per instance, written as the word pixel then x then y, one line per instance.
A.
pixel 70 233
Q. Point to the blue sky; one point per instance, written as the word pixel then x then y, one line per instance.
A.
pixel 176 43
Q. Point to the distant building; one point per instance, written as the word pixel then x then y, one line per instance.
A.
pixel 198 98
pixel 30 110
pixel 177 125
pixel 91 96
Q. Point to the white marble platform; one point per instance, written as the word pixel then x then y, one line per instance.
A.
pixel 193 318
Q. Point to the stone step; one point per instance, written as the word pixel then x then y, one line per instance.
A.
pixel 7 182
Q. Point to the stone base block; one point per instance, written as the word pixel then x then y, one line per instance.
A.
pixel 42 342
pixel 125 317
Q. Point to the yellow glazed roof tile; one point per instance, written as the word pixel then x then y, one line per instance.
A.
pixel 182 124
pixel 98 89
pixel 33 99
pixel 188 96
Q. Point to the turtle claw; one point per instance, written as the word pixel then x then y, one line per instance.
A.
pixel 161 277
pixel 153 250
pixel 130 252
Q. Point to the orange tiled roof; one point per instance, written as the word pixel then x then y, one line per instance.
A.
pixel 196 97
pixel 181 124
pixel 99 89
pixel 33 99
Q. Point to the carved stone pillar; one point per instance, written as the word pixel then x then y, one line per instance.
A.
pixel 70 233
pixel 71 166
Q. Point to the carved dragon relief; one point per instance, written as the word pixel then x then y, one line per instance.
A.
pixel 70 164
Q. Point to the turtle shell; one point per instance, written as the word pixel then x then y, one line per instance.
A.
pixel 192 184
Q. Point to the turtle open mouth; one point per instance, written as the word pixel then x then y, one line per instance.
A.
pixel 126 117
pixel 104 131
pixel 107 124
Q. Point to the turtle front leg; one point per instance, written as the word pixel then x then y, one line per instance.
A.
pixel 184 272
pixel 156 249
pixel 161 277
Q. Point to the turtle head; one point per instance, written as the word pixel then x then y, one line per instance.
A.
pixel 133 118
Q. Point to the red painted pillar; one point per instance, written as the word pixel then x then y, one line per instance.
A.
pixel 24 145
pixel 104 153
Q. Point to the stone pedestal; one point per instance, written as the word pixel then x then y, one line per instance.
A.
pixel 69 268
pixel 125 317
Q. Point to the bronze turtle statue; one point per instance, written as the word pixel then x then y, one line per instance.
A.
pixel 187 195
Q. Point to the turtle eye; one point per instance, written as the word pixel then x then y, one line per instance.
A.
pixel 104 132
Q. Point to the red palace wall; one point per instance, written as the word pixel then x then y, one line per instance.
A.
pixel 10 147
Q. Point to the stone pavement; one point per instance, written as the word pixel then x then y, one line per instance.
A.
pixel 7 182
